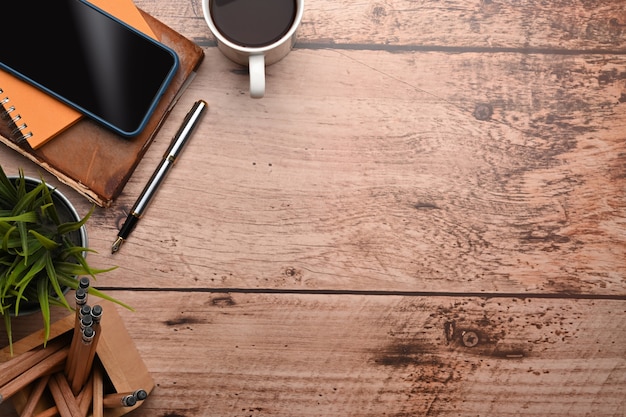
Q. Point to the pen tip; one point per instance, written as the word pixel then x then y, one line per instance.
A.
pixel 116 245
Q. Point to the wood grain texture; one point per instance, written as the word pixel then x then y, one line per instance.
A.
pixel 426 215
pixel 408 24
pixel 417 172
pixel 240 354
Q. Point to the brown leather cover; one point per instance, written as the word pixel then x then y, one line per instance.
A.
pixel 95 161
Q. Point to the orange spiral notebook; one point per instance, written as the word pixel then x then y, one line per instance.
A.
pixel 36 117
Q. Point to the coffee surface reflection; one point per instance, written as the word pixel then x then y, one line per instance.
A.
pixel 253 23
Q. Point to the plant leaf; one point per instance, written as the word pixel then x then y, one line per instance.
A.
pixel 74 226
pixel 48 209
pixel 14 273
pixel 28 199
pixel 7 326
pixel 7 237
pixel 72 283
pixel 21 227
pixel 8 195
pixel 43 296
pixel 26 274
pixel 47 243
pixel 72 269
pixel 53 279
pixel 26 217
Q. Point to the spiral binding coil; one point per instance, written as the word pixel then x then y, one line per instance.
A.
pixel 19 126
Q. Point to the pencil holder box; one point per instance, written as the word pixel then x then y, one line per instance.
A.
pixel 124 369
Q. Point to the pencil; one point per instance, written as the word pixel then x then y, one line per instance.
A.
pixel 19 364
pixel 47 366
pixel 85 321
pixel 85 369
pixel 84 400
pixel 96 314
pixel 119 400
pixel 116 398
pixel 59 399
pixel 98 390
pixel 80 299
pixel 35 396
pixel 141 394
pixel 68 396
pixel 84 282
pixel 50 412
pixel 85 397
pixel 81 296
pixel 82 353
pixel 82 308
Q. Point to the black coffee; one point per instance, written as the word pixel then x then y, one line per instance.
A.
pixel 253 23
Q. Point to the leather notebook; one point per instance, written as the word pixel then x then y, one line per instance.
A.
pixel 92 159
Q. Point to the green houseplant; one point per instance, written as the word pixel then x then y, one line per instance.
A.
pixel 41 251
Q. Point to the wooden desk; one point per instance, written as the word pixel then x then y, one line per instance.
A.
pixel 426 215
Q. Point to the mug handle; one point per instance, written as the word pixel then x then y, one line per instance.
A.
pixel 256 64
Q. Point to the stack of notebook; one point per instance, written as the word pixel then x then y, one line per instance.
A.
pixel 89 158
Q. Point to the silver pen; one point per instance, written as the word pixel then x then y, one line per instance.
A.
pixel 179 141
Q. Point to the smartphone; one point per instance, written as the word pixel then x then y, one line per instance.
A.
pixel 87 59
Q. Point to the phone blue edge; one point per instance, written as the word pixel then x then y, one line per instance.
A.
pixel 150 111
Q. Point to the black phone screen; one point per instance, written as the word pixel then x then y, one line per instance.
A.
pixel 87 59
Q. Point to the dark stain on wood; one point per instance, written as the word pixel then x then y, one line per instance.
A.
pixel 253 410
pixel 471 329
pixel 612 76
pixel 223 301
pixel 401 354
pixel 565 285
pixel 549 238
pixel 449 329
pixel 437 354
pixel 182 321
pixel 421 366
pixel 423 205
pixel 378 13
pixel 408 349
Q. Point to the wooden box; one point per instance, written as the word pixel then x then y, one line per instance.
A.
pixel 124 368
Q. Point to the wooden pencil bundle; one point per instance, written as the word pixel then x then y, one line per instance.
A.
pixel 84 339
pixel 49 365
pixel 67 404
pixel 82 308
pixel 68 371
pixel 35 396
pixel 84 400
pixel 64 399
pixel 19 364
pixel 86 368
pixel 82 354
pixel 83 351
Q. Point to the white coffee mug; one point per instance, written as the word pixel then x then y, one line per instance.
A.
pixel 255 57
